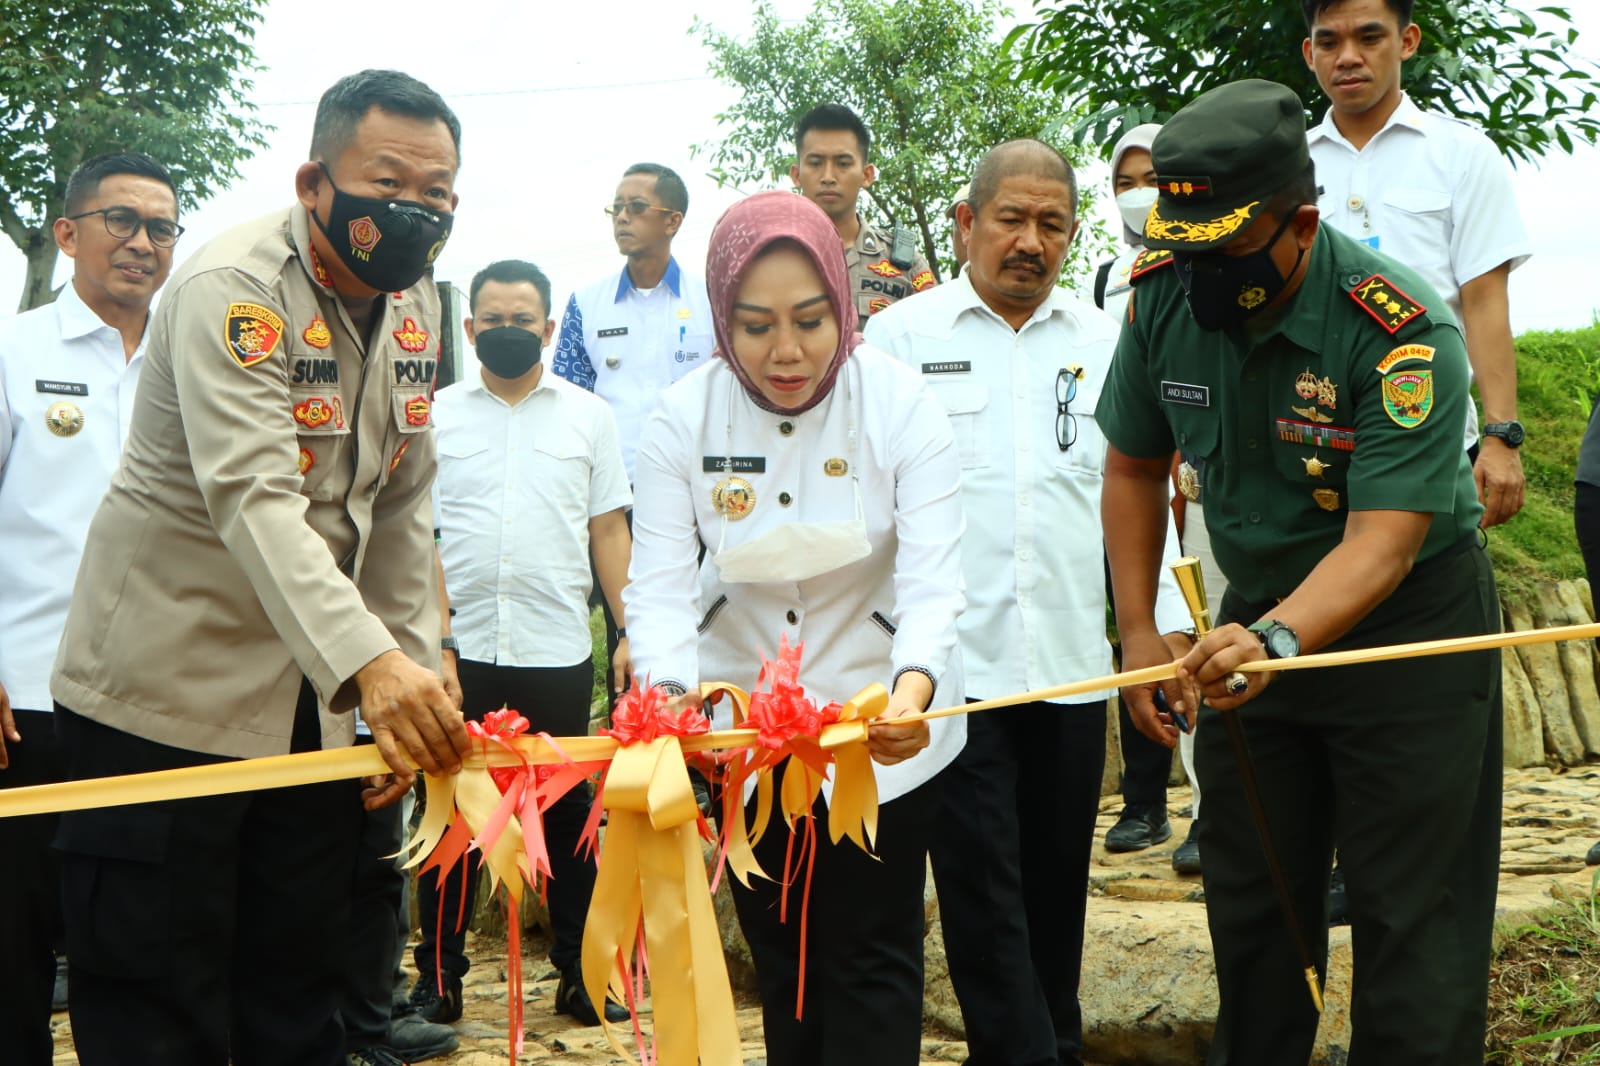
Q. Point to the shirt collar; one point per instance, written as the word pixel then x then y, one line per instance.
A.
pixel 672 279
pixel 74 317
pixel 475 383
pixel 1406 114
pixel 961 298
pixel 1305 320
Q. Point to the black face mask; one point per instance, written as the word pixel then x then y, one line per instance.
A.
pixel 507 351
pixel 387 244
pixel 1225 290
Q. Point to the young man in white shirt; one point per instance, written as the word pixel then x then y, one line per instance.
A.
pixel 530 479
pixel 68 371
pixel 1431 192
pixel 1018 364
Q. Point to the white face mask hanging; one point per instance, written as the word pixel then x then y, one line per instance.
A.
pixel 797 551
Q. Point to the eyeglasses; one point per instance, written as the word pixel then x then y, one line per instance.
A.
pixel 1066 392
pixel 634 208
pixel 123 223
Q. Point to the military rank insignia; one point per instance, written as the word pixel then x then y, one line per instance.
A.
pixel 1408 397
pixel 1379 298
pixel 412 337
pixel 923 280
pixel 1146 261
pixel 417 412
pixel 884 269
pixel 252 333
pixel 399 454
pixel 306 461
pixel 876 304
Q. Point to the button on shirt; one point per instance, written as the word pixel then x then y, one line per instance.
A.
pixel 517 487
pixel 1429 191
pixel 59 360
pixel 1032 553
pixel 625 345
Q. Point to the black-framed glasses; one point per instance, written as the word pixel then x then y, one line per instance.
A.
pixel 634 208
pixel 124 222
pixel 1066 392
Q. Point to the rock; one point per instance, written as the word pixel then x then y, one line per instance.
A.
pixel 1524 724
pixel 939 1007
pixel 1564 607
pixel 1111 777
pixel 1543 666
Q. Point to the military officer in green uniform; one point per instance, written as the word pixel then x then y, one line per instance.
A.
pixel 1325 386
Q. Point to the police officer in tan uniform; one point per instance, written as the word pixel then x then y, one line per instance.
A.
pixel 832 169
pixel 264 550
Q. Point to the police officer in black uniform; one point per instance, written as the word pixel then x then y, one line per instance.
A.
pixel 1326 397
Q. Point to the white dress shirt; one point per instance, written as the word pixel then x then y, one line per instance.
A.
pixel 1428 190
pixel 516 489
pixel 50 484
pixel 1033 551
pixel 862 622
pixel 627 345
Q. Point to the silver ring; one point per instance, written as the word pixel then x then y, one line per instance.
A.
pixel 1238 684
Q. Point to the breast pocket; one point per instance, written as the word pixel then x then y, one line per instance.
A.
pixel 323 434
pixel 1086 454
pixel 693 351
pixel 465 470
pixel 1417 217
pixel 967 403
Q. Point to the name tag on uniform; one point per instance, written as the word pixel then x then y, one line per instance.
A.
pixel 61 388
pixel 614 331
pixel 955 366
pixel 1193 395
pixel 735 464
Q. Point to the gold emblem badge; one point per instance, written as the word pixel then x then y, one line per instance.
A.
pixel 733 498
pixel 1189 482
pixel 1327 499
pixel 1311 414
pixel 306 461
pixel 835 467
pixel 317 334
pixel 1315 467
pixel 64 418
pixel 1305 386
pixel 1252 298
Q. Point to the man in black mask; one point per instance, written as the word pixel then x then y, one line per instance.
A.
pixel 530 477
pixel 264 553
pixel 1325 391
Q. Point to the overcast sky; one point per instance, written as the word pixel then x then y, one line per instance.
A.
pixel 556 101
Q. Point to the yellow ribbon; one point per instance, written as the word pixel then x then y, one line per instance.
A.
pixel 652 867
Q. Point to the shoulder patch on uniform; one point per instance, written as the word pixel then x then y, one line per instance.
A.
pixel 885 269
pixel 1379 298
pixel 252 333
pixel 923 279
pixel 1408 397
pixel 1146 261
pixel 1403 354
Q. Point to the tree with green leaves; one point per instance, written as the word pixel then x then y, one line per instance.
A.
pixel 82 77
pixel 927 77
pixel 1508 69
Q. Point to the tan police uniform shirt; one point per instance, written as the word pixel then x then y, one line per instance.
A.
pixel 271 518
pixel 875 280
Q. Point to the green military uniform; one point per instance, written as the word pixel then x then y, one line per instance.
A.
pixel 1346 397
pixel 877 280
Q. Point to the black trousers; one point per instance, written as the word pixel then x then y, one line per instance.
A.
pixel 198 930
pixel 1586 520
pixel 1146 765
pixel 863 995
pixel 30 899
pixel 378 928
pixel 554 700
pixel 1400 763
pixel 1011 863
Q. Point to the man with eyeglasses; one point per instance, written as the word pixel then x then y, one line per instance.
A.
pixel 68 372
pixel 635 331
pixel 830 169
pixel 1018 364
pixel 1325 390
pixel 262 563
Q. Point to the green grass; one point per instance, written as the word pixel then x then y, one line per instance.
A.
pixel 1557 374
pixel 1543 1003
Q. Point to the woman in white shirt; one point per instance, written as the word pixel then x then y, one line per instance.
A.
pixel 804 484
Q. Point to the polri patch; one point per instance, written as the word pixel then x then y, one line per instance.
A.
pixel 399 454
pixel 876 304
pixel 417 411
pixel 412 337
pixel 949 366
pixel 734 464
pixel 1379 297
pixel 923 280
pixel 61 388
pixel 885 269
pixel 252 333
pixel 313 412
pixel 614 331
pixel 1191 395
pixel 1402 354
pixel 317 334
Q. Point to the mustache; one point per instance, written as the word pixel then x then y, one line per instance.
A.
pixel 1034 261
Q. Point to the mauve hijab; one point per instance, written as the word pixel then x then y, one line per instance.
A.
pixel 746 230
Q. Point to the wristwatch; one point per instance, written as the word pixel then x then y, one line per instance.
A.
pixel 1511 432
pixel 622 632
pixel 1278 639
pixel 450 644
